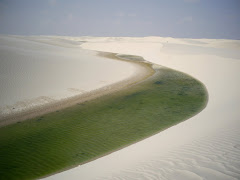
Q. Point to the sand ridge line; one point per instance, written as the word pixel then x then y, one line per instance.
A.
pixel 145 71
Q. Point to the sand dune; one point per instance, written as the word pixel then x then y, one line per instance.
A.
pixel 206 146
pixel 39 70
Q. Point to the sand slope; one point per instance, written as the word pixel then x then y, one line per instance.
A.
pixel 38 70
pixel 206 146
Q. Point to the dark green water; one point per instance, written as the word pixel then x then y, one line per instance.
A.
pixel 60 140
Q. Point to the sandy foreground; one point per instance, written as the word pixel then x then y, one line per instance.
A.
pixel 42 74
pixel 207 146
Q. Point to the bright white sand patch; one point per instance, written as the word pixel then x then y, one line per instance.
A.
pixel 39 70
pixel 206 146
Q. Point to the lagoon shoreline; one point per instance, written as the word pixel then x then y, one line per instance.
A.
pixel 144 71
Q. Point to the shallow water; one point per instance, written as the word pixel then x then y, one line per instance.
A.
pixel 87 131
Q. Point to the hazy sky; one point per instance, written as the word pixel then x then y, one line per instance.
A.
pixel 175 18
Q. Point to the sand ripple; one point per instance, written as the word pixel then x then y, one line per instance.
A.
pixel 211 157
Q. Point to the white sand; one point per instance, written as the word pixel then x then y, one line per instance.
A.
pixel 206 146
pixel 38 70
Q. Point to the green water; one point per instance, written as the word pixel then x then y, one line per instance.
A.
pixel 60 140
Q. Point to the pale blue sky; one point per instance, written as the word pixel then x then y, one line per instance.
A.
pixel 175 18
